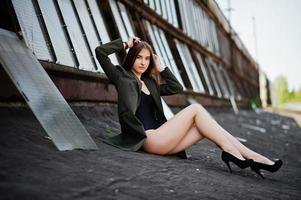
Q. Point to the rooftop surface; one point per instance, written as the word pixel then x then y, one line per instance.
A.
pixel 32 168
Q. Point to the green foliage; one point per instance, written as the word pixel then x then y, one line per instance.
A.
pixel 255 103
pixel 283 94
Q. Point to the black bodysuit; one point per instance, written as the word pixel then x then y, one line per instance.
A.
pixel 145 112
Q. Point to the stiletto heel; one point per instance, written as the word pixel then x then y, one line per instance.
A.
pixel 229 167
pixel 256 167
pixel 227 157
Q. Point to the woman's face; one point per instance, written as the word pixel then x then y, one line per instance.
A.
pixel 142 62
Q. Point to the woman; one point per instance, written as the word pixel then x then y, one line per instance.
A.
pixel 141 117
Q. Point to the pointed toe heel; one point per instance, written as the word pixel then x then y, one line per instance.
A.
pixel 256 167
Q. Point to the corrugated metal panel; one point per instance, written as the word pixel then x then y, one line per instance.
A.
pixel 31 29
pixel 44 99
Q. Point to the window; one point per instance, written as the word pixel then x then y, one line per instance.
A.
pixel 190 67
pixel 198 25
pixel 80 46
pixel 161 48
pixel 205 73
pixel 89 30
pixel 100 26
pixel 213 77
pixel 122 20
pixel 56 33
pixel 31 29
pixel 165 8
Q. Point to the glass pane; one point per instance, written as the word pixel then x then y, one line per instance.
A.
pixel 164 9
pixel 126 19
pixel 221 80
pixel 168 6
pixel 162 49
pixel 230 83
pixel 213 76
pixel 56 34
pixel 182 14
pixel 152 4
pixel 122 30
pixel 160 45
pixel 158 6
pixel 190 67
pixel 31 29
pixel 204 71
pixel 198 25
pixel 102 31
pixel 174 14
pixel 79 44
pixel 88 27
pixel 170 58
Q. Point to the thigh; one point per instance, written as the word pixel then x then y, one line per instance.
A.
pixel 192 137
pixel 169 134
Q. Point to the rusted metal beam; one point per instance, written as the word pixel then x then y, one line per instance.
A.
pixel 95 87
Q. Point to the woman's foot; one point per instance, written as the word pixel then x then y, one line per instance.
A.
pixel 256 167
pixel 241 163
pixel 261 159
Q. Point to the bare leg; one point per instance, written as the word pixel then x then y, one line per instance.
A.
pixel 191 138
pixel 164 139
pixel 245 151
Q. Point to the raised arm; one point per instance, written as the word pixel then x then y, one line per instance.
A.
pixel 172 85
pixel 103 51
pixel 102 54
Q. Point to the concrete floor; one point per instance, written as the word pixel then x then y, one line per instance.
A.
pixel 31 167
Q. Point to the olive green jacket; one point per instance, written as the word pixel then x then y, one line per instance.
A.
pixel 128 87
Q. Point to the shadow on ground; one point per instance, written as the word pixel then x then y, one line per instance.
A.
pixel 31 167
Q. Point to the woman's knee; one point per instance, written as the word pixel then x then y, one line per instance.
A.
pixel 196 107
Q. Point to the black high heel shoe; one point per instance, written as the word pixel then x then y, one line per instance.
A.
pixel 256 167
pixel 227 157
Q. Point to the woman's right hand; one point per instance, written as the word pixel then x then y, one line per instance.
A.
pixel 132 41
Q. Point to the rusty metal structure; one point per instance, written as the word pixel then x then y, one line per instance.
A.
pixel 192 37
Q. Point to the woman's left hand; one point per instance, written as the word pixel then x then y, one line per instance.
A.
pixel 158 65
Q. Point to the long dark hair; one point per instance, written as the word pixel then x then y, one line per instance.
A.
pixel 132 55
